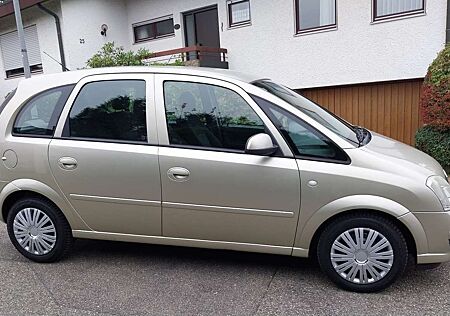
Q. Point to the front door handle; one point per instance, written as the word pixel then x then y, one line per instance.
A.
pixel 178 174
pixel 67 163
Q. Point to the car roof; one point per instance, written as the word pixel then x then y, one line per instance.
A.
pixel 71 77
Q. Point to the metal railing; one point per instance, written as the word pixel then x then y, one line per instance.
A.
pixel 202 56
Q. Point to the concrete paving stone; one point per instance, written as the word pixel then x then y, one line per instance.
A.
pixel 303 290
pixel 21 293
pixel 123 278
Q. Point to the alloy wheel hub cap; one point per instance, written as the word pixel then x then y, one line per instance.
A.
pixel 362 255
pixel 34 231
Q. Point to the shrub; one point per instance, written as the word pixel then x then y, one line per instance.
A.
pixel 434 137
pixel 111 56
pixel 436 143
pixel 435 101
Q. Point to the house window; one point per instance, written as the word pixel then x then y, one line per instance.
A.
pixel 386 9
pixel 12 57
pixel 313 15
pixel 151 30
pixel 238 12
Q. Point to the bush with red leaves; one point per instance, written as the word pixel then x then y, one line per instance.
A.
pixel 434 137
pixel 435 101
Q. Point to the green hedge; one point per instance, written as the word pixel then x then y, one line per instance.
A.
pixel 436 143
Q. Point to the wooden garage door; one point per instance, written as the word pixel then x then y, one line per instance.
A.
pixel 389 108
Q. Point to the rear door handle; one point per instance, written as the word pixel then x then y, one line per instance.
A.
pixel 178 174
pixel 67 163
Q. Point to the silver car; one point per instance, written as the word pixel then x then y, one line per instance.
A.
pixel 214 159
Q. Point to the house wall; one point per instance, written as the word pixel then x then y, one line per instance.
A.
pixel 358 51
pixel 47 41
pixel 82 21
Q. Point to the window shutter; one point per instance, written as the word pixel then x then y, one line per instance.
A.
pixel 10 47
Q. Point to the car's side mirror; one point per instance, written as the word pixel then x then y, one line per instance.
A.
pixel 260 144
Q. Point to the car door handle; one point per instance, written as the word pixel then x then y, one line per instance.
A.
pixel 67 163
pixel 178 174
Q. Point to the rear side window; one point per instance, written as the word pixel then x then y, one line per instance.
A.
pixel 109 110
pixel 39 116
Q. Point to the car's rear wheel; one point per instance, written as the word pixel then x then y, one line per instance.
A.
pixel 39 230
pixel 362 253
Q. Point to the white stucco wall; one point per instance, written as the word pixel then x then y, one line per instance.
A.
pixel 82 20
pixel 358 51
pixel 46 29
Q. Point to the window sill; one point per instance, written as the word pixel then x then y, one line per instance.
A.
pixel 239 25
pixel 23 75
pixel 154 39
pixel 398 17
pixel 317 30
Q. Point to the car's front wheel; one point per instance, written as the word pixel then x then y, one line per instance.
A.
pixel 362 253
pixel 39 230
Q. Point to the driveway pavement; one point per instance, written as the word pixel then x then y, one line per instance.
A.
pixel 110 278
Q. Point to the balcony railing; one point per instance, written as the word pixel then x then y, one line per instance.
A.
pixel 200 56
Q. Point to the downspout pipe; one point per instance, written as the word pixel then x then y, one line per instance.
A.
pixel 447 38
pixel 59 34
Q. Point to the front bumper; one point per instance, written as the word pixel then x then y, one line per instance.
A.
pixel 436 226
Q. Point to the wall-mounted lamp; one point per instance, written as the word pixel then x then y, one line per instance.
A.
pixel 103 30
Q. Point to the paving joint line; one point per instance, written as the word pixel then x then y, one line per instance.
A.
pixel 266 291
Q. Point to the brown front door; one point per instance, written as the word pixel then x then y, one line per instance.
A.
pixel 202 29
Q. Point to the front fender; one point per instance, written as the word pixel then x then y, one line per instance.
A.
pixel 308 227
pixel 38 187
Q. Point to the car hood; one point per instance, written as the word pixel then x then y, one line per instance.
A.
pixel 405 155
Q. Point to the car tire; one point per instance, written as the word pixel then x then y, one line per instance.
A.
pixel 362 253
pixel 39 230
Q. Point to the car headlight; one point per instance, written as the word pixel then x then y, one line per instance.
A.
pixel 441 188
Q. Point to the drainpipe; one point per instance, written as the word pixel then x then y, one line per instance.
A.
pixel 58 32
pixel 448 22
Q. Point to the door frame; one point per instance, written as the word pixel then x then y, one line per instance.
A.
pixel 149 79
pixel 161 122
pixel 193 12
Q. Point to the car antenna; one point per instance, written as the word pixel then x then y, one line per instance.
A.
pixel 65 68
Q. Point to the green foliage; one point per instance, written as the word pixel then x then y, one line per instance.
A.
pixel 434 138
pixel 439 70
pixel 436 143
pixel 111 56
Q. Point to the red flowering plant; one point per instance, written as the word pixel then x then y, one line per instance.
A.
pixel 434 137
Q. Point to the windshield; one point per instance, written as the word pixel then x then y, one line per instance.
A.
pixel 319 114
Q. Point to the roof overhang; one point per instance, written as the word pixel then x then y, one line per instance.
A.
pixel 8 8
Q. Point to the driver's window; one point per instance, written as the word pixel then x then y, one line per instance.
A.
pixel 209 116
